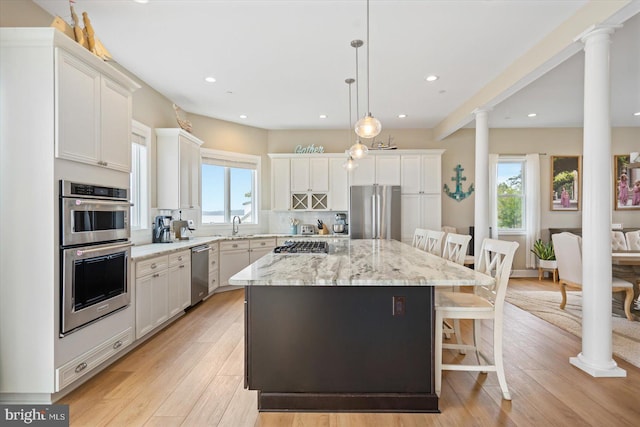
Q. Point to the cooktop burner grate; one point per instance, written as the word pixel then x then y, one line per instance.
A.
pixel 303 247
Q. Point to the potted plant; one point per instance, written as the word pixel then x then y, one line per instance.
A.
pixel 546 255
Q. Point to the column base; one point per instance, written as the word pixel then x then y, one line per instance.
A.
pixel 612 372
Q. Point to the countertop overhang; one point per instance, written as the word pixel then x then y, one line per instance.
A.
pixel 360 262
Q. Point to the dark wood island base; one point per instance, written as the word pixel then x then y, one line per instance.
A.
pixel 340 348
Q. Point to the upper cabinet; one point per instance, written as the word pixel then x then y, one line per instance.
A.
pixel 380 168
pixel 93 114
pixel 178 169
pixel 421 173
pixel 309 174
pixel 280 183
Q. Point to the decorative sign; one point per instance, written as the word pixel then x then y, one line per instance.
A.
pixel 458 195
pixel 309 149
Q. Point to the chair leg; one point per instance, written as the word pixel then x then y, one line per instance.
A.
pixel 628 299
pixel 477 337
pixel 563 291
pixel 458 332
pixel 438 351
pixel 497 357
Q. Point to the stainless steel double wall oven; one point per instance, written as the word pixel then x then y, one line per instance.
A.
pixel 95 253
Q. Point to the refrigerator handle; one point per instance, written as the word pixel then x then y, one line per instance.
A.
pixel 374 225
pixel 378 217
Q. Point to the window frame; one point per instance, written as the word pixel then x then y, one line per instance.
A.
pixel 142 203
pixel 522 161
pixel 211 156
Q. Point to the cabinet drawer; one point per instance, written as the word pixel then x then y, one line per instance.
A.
pixel 90 360
pixel 262 243
pixel 213 280
pixel 234 245
pixel 213 248
pixel 152 265
pixel 182 257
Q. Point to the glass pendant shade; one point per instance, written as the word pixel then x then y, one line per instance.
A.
pixel 350 164
pixel 358 150
pixel 368 127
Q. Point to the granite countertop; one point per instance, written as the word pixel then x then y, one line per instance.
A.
pixel 142 252
pixel 359 263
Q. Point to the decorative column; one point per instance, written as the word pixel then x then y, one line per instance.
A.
pixel 596 356
pixel 481 212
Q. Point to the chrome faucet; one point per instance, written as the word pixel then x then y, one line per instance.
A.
pixel 234 226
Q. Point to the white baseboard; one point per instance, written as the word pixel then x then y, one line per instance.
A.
pixel 524 273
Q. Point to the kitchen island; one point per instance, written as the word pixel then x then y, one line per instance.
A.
pixel 351 330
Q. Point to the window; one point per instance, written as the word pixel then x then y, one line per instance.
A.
pixel 229 183
pixel 139 178
pixel 510 195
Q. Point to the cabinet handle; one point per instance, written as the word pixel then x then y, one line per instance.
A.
pixel 156 275
pixel 262 244
pixel 81 367
pixel 179 258
pixel 182 266
pixel 235 245
pixel 153 265
pixel 117 345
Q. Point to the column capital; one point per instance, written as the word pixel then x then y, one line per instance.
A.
pixel 481 110
pixel 596 30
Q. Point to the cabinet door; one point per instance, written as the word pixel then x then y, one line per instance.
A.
pixel 77 110
pixel 319 174
pixel 144 322
pixel 194 178
pixel 159 298
pixel 365 173
pixel 115 139
pixel 431 173
pixel 280 184
pixel 387 170
pixel 256 254
pixel 431 211
pixel 300 175
pixel 411 215
pixel 185 173
pixel 411 173
pixel 174 291
pixel 232 262
pixel 339 185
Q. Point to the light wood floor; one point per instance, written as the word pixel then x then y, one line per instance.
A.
pixel 191 374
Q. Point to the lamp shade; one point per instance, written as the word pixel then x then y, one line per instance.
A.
pixel 358 150
pixel 350 164
pixel 368 127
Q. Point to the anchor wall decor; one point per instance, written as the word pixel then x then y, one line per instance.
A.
pixel 458 195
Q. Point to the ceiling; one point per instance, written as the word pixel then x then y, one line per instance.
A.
pixel 284 63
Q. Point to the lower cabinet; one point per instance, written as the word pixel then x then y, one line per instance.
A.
pixel 238 254
pixel 420 211
pixel 163 289
pixel 259 248
pixel 87 362
pixel 214 271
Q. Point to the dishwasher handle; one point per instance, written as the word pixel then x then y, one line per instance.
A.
pixel 199 249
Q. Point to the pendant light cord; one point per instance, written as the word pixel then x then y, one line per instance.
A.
pixel 368 43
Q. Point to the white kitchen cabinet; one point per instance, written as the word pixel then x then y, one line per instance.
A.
pixel 280 184
pixel 234 256
pixel 152 299
pixel 214 271
pixel 421 173
pixel 178 169
pixel 377 168
pixel 179 286
pixel 338 185
pixel 93 115
pixel 420 211
pixel 310 174
pixel 259 248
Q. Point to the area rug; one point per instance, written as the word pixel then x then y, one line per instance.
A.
pixel 546 305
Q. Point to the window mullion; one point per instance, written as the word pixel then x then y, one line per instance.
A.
pixel 227 195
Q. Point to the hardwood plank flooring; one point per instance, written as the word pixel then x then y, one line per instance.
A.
pixel 191 374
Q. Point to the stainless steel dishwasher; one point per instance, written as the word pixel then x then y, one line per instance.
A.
pixel 199 273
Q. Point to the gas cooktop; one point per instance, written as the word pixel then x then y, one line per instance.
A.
pixel 303 247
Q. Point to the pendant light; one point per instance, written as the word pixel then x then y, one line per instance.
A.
pixel 350 164
pixel 357 150
pixel 368 126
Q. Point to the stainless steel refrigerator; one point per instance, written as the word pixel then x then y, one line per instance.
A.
pixel 375 212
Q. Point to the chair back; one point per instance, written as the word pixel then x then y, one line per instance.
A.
pixel 433 244
pixel 618 242
pixel 568 250
pixel 496 256
pixel 449 229
pixel 633 240
pixel 455 247
pixel 419 238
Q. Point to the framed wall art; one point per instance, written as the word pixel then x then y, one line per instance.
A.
pixel 565 183
pixel 626 184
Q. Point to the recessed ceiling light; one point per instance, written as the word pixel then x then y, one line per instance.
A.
pixel 531 115
pixel 431 78
pixel 323 116
pixel 402 116
pixel 243 116
pixel 210 79
pixel 141 1
pixel 636 113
